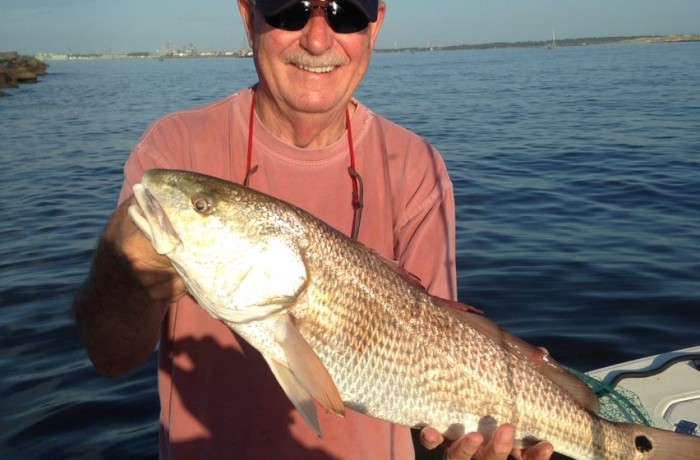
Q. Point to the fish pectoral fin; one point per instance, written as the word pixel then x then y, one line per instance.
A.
pixel 539 358
pixel 295 392
pixel 307 367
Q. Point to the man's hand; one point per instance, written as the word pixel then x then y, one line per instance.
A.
pixel 153 271
pixel 499 447
pixel 118 309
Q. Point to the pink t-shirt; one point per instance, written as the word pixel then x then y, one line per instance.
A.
pixel 218 396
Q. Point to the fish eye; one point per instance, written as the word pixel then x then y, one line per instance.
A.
pixel 202 203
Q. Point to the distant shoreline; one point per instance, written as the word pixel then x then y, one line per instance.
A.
pixel 191 52
pixel 555 43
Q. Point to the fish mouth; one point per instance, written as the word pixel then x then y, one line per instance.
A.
pixel 148 215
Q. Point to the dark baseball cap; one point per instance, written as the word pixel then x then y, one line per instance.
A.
pixel 272 7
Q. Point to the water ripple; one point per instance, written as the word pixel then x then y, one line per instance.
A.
pixel 576 185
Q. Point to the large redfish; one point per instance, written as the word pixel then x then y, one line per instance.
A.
pixel 335 322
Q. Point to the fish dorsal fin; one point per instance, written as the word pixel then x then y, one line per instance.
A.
pixel 271 284
pixel 539 358
pixel 396 268
pixel 305 368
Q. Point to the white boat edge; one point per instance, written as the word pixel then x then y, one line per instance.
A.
pixel 667 384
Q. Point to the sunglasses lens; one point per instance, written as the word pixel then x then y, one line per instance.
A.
pixel 345 18
pixel 293 18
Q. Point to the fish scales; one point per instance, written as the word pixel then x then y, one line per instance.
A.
pixel 392 328
pixel 371 324
pixel 294 287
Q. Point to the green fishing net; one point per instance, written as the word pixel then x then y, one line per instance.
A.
pixel 616 404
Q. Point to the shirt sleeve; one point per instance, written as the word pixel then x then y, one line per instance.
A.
pixel 426 231
pixel 160 147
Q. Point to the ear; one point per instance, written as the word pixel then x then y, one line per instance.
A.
pixel 247 10
pixel 377 25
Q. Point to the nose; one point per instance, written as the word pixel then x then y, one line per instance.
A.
pixel 317 36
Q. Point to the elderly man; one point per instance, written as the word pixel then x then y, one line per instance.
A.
pixel 294 135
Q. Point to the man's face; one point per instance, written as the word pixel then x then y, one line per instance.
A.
pixel 313 70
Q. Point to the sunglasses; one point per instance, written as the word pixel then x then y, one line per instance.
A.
pixel 342 16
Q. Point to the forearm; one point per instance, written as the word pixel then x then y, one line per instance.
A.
pixel 117 318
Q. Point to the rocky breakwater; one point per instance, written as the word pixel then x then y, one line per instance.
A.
pixel 16 69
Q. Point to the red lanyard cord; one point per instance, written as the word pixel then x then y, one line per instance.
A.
pixel 357 186
pixel 249 171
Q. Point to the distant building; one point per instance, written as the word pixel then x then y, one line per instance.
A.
pixel 51 56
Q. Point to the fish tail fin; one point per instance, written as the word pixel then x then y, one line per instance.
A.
pixel 656 444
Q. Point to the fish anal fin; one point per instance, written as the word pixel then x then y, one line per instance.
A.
pixel 540 359
pixel 310 372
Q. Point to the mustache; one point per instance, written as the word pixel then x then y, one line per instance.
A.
pixel 302 59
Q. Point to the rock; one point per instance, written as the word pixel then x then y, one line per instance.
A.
pixel 7 79
pixel 25 76
pixel 16 69
pixel 8 56
pixel 33 65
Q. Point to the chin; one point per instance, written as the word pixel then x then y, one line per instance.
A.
pixel 316 104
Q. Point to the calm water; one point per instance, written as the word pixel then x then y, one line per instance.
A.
pixel 577 176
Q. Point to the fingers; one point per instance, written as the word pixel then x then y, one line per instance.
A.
pixel 465 447
pixel 153 271
pixel 498 448
pixel 462 449
pixel 500 445
pixel 430 438
pixel 541 451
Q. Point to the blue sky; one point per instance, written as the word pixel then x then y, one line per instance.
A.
pixel 98 26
